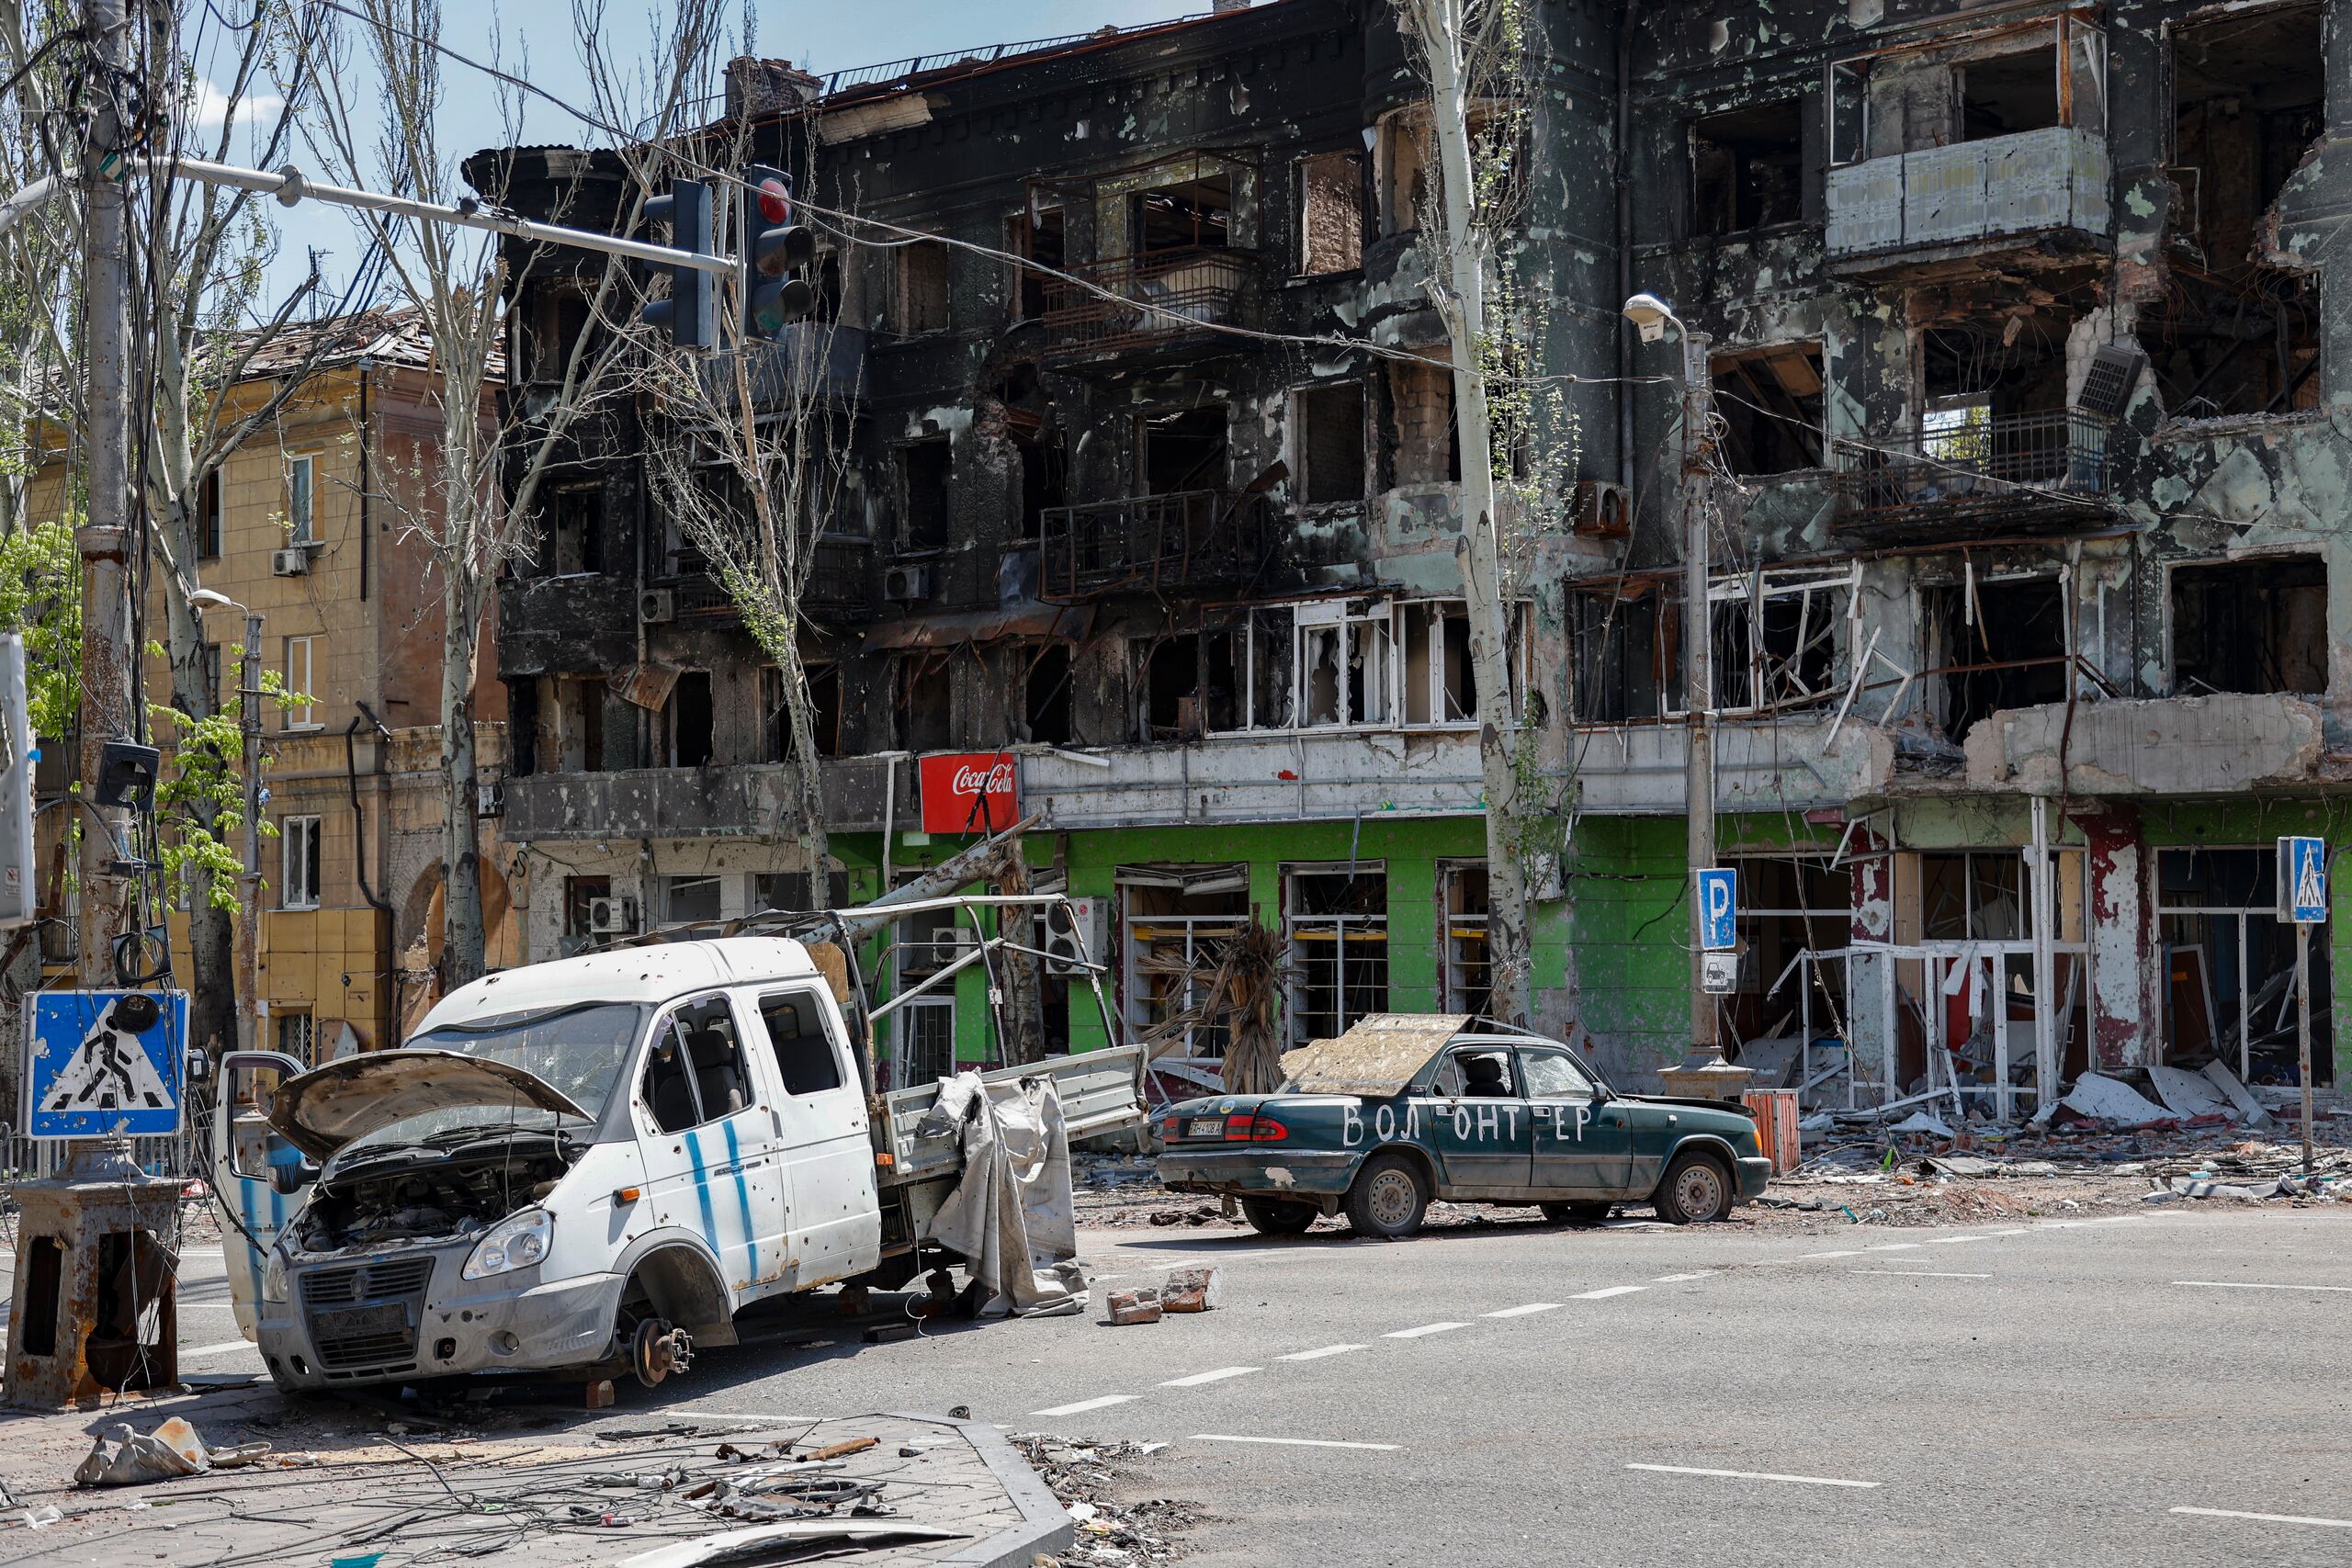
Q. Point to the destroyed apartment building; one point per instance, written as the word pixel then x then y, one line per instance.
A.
pixel 2029 464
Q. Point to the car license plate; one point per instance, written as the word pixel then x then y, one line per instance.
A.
pixel 1205 1127
pixel 356 1323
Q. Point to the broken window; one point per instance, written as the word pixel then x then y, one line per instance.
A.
pixel 1465 985
pixel 1190 215
pixel 1407 173
pixel 1331 219
pixel 924 469
pixel 824 711
pixel 1747 168
pixel 575 529
pixel 1177 921
pixel 687 899
pixel 1769 405
pixel 1788 904
pixel 1183 449
pixel 923 703
pixel 1335 920
pixel 920 299
pixel 2015 81
pixel 1625 647
pixel 207 515
pixel 1044 476
pixel 1427 447
pixel 1045 705
pixel 1441 683
pixel 1995 645
pixel 1778 635
pixel 1973 895
pixel 579 722
pixel 1347 663
pixel 688 722
pixel 546 333
pixel 1328 448
pixel 789 890
pixel 2005 94
pixel 1038 235
pixel 2230 966
pixel 2250 625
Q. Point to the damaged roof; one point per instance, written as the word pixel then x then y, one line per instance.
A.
pixel 1378 1055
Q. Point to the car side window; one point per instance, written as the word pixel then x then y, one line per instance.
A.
pixel 1476 1072
pixel 694 1073
pixel 805 1057
pixel 1551 1075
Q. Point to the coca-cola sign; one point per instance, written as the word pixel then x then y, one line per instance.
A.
pixel 967 791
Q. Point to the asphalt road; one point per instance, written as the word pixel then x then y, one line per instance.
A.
pixel 2160 1387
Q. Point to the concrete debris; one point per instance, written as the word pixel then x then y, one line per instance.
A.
pixel 2102 1099
pixel 126 1457
pixel 1138 1306
pixel 733 1544
pixel 1921 1122
pixel 1092 1482
pixel 1193 1290
pixel 2249 1109
pixel 2190 1094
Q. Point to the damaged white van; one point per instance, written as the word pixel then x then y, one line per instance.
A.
pixel 583 1167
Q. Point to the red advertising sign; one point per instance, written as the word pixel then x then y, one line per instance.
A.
pixel 968 792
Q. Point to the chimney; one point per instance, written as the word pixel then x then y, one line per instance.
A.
pixel 758 88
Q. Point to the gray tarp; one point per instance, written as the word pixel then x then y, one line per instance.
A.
pixel 1013 1217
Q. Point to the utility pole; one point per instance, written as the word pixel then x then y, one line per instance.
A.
pixel 1699 665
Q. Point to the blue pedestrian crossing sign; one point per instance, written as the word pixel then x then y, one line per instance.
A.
pixel 101 1064
pixel 2302 880
pixel 1718 894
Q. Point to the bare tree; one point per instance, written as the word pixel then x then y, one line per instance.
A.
pixel 1474 54
pixel 474 504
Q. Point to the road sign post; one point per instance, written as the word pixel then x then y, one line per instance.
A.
pixel 104 1064
pixel 2303 899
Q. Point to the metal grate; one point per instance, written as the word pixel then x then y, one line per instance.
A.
pixel 1191 538
pixel 2057 456
pixel 366 1281
pixel 1143 301
pixel 366 1316
pixel 2107 386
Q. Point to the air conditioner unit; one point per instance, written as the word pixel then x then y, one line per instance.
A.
pixel 1604 511
pixel 612 917
pixel 1078 933
pixel 656 606
pixel 293 561
pixel 906 584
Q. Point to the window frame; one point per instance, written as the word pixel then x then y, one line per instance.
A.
pixel 668 1021
pixel 844 1074
pixel 298 834
pixel 300 716
pixel 303 523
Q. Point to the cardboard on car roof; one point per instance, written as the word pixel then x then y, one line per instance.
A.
pixel 1379 1053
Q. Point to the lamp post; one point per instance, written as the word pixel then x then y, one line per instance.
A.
pixel 248 954
pixel 1651 316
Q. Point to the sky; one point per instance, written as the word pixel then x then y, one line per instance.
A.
pixel 536 38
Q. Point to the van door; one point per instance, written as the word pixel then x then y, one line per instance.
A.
pixel 836 1223
pixel 709 1145
pixel 245 1150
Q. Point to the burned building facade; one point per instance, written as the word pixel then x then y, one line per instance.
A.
pixel 2024 483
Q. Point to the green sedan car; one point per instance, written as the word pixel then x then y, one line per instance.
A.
pixel 1402 1109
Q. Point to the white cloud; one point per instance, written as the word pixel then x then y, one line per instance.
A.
pixel 207 106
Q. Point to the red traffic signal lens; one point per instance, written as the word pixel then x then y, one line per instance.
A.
pixel 775 200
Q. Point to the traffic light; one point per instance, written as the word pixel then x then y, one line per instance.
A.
pixel 691 312
pixel 776 255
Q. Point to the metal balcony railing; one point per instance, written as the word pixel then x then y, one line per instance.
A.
pixel 1193 539
pixel 1144 301
pixel 839 586
pixel 2057 459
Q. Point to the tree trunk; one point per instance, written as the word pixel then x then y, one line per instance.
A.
pixel 462 944
pixel 1509 949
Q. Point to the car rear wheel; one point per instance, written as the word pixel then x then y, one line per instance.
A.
pixel 1270 1216
pixel 1577 1213
pixel 1388 1198
pixel 1697 1190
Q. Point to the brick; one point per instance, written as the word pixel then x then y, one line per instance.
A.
pixel 1139 1305
pixel 1193 1290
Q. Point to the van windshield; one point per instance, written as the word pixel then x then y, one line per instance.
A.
pixel 580 1051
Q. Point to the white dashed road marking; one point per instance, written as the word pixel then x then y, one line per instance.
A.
pixel 2249 1285
pixel 1425 1328
pixel 1802 1257
pixel 1896 1246
pixel 1683 1279
pixel 1217 1376
pixel 2267 1519
pixel 1530 1310
pixel 1085 1404
pixel 1606 1291
pixel 1950 1240
pixel 1293 1442
pixel 1752 1475
pixel 1318 1354
pixel 1917 1274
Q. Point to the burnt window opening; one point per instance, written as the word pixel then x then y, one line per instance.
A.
pixel 1330 213
pixel 1191 215
pixel 1770 405
pixel 1625 652
pixel 923 704
pixel 2250 625
pixel 1170 688
pixel 1974 896
pixel 579 722
pixel 1993 369
pixel 789 890
pixel 924 470
pixel 558 318
pixel 207 517
pixel 1427 447
pixel 824 711
pixel 1042 237
pixel 1044 478
pixel 687 731
pixel 575 530
pixel 1181 450
pixel 1747 168
pixel 1045 697
pixel 2008 93
pixel 2006 650
pixel 920 296
pixel 1329 447
pixel 1784 655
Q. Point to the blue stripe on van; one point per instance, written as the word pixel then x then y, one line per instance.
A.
pixel 743 1198
pixel 702 1193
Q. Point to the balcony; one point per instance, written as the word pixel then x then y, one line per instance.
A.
pixel 1165 299
pixel 2046 472
pixel 1907 212
pixel 840 585
pixel 721 802
pixel 1193 538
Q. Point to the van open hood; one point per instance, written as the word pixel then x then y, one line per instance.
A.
pixel 320 1110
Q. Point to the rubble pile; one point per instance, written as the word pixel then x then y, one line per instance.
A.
pixel 1087 1478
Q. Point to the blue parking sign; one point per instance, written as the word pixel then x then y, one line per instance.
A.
pixel 100 1064
pixel 2302 880
pixel 1718 896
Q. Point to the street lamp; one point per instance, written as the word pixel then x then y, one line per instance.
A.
pixel 248 956
pixel 1651 316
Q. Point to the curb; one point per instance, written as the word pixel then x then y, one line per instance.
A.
pixel 1046 1525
